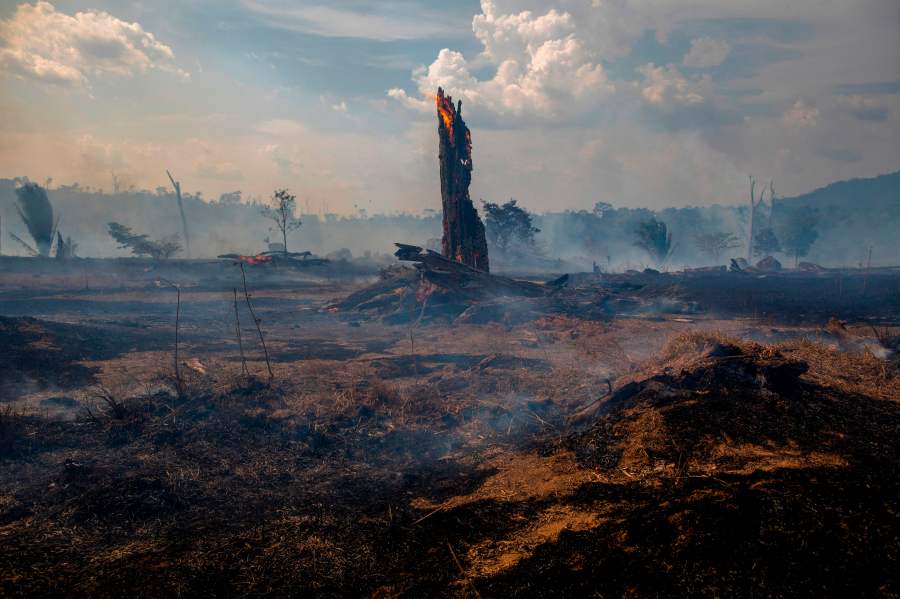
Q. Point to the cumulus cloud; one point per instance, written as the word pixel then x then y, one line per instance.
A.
pixel 542 68
pixel 408 101
pixel 509 36
pixel 666 87
pixel 706 52
pixel 650 128
pixel 38 42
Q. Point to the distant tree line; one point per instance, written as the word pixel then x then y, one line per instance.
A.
pixel 836 225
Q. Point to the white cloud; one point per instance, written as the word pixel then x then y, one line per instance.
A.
pixel 543 69
pixel 406 100
pixel 508 36
pixel 657 135
pixel 802 114
pixel 706 52
pixel 666 87
pixel 39 42
pixel 335 104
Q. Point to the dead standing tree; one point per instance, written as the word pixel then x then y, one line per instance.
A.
pixel 754 204
pixel 282 214
pixel 464 237
pixel 187 239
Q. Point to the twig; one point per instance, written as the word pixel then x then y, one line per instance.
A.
pixel 237 328
pixel 539 419
pixel 463 572
pixel 412 327
pixel 718 480
pixel 256 321
pixel 428 515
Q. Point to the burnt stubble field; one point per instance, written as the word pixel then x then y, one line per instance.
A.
pixel 742 444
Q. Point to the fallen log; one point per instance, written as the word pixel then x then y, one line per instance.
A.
pixel 464 280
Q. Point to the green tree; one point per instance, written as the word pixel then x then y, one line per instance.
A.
pixel 508 225
pixel 602 208
pixel 141 245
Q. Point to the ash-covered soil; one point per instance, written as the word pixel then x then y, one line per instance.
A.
pixel 641 456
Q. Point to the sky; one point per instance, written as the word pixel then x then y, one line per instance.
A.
pixel 639 103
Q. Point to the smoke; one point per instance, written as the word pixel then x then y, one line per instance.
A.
pixel 37 214
pixel 851 217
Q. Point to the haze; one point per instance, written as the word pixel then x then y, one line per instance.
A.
pixel 642 104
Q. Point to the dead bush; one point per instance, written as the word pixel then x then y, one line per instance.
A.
pixel 695 342
pixel 121 418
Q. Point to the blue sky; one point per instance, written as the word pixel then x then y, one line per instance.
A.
pixel 641 103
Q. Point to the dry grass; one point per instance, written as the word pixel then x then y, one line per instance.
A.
pixel 350 475
pixel 850 372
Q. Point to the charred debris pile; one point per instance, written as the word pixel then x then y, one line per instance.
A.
pixel 442 290
pixel 439 289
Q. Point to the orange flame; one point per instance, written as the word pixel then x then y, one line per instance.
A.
pixel 445 110
pixel 253 260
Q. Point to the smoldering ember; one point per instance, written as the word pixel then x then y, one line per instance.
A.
pixel 573 387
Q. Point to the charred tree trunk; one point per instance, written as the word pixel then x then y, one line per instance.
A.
pixel 464 239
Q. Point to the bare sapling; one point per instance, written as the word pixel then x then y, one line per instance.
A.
pixel 753 205
pixel 256 321
pixel 178 381
pixel 423 292
pixel 237 328
pixel 866 275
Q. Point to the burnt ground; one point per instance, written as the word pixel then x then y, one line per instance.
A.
pixel 667 454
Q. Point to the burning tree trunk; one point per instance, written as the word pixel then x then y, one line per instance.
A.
pixel 464 239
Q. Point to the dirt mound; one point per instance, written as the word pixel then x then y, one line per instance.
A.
pixel 732 469
pixel 720 405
